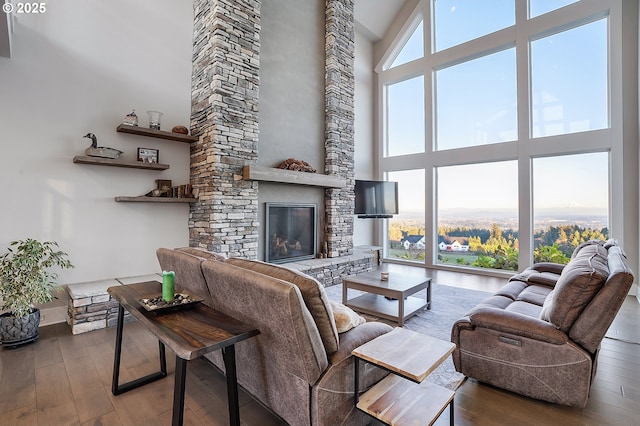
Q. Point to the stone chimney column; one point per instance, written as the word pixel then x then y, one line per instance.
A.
pixel 224 114
pixel 339 119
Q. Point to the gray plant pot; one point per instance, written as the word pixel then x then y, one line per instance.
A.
pixel 18 331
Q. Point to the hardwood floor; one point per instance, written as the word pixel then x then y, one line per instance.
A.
pixel 66 380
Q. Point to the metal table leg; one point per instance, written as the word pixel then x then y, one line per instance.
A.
pixel 178 391
pixel 229 356
pixel 117 389
pixel 356 380
pixel 451 421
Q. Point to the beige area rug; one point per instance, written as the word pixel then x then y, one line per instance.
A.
pixel 448 304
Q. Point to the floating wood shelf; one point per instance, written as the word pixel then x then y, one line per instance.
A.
pixel 81 159
pixel 141 131
pixel 143 199
pixel 270 174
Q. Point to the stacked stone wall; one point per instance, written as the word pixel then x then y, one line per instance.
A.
pixel 339 119
pixel 225 83
pixel 331 271
pixel 90 306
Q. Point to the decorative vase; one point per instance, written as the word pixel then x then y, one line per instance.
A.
pixel 16 331
pixel 154 119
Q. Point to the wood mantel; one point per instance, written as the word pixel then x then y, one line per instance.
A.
pixel 270 174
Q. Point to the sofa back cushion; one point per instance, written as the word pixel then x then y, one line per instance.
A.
pixel 202 253
pixel 586 244
pixel 188 273
pixel 579 281
pixel 288 341
pixel 590 328
pixel 315 298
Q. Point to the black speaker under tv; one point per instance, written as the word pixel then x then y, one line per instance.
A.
pixel 376 199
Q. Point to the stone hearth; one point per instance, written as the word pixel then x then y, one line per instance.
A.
pixel 90 306
pixel 330 271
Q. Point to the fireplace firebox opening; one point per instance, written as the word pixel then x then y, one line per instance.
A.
pixel 291 232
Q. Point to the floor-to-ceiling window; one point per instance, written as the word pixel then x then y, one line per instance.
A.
pixel 497 124
pixel 406 230
pixel 562 218
pixel 478 215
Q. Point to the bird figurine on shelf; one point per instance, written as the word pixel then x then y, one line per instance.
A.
pixel 100 151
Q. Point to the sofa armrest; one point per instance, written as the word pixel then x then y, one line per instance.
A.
pixel 555 268
pixel 355 337
pixel 518 324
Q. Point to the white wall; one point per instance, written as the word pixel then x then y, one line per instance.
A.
pixel 367 149
pixel 364 154
pixel 78 68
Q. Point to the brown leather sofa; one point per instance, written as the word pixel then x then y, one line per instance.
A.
pixel 299 365
pixel 540 334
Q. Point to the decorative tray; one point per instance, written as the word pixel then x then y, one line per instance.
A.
pixel 157 304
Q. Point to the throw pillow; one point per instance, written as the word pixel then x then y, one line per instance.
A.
pixel 345 317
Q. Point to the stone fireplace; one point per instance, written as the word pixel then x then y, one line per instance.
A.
pixel 225 116
pixel 290 232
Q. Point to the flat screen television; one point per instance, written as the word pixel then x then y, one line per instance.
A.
pixel 376 199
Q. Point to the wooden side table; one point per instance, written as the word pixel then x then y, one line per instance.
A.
pixel 403 398
pixel 190 332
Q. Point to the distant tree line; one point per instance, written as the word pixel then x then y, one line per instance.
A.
pixel 568 237
pixel 479 234
pixel 498 248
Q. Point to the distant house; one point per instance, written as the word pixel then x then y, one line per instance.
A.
pixel 453 243
pixel 415 242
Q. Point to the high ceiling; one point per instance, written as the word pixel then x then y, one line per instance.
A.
pixel 373 17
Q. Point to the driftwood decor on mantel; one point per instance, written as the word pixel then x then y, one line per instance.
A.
pixel 270 174
pixel 297 166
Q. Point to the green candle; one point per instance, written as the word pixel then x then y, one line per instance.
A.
pixel 168 285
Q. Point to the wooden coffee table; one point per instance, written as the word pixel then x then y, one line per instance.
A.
pixel 190 332
pixel 390 299
pixel 403 397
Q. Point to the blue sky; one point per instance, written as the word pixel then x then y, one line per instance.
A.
pixel 476 103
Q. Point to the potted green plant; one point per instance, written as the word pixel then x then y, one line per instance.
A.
pixel 25 280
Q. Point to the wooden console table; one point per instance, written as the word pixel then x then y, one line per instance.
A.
pixel 402 397
pixel 190 332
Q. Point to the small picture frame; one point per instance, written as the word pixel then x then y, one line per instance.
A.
pixel 148 155
pixel 164 184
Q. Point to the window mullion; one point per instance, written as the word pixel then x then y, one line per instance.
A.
pixel 524 116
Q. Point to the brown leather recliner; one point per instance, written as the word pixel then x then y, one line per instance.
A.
pixel 540 334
